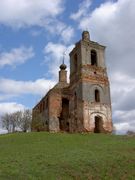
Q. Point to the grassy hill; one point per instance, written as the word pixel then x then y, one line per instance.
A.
pixel 66 156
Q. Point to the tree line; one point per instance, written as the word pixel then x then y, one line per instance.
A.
pixel 17 121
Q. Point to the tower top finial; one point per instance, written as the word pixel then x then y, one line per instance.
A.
pixel 85 36
pixel 63 66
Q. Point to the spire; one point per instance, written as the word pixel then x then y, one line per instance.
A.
pixel 63 66
pixel 63 57
pixel 63 72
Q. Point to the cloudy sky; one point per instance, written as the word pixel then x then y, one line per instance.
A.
pixel 35 33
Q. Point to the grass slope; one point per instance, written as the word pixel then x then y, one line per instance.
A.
pixel 66 156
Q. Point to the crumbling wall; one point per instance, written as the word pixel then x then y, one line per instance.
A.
pixel 54 111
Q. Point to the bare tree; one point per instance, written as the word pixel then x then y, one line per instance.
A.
pixel 15 120
pixel 130 133
pixel 6 121
pixel 25 120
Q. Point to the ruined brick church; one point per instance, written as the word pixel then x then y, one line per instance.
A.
pixel 84 104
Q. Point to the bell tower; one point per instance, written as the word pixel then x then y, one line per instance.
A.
pixel 90 104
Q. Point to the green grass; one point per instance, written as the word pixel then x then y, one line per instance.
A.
pixel 66 156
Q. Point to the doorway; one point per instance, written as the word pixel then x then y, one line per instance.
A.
pixel 64 117
pixel 98 125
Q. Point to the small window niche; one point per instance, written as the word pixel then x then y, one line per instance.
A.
pixel 93 58
pixel 75 62
pixel 46 103
pixel 97 95
pixel 75 101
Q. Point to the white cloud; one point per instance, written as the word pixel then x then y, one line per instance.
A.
pixel 16 56
pixel 122 128
pixel 125 121
pixel 11 88
pixel 10 107
pixel 112 24
pixel 42 13
pixel 67 34
pixel 64 31
pixel 123 102
pixel 122 88
pixel 83 8
pixel 54 55
pixel 19 13
pixel 55 26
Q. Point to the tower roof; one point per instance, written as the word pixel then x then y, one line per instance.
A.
pixel 63 66
pixel 86 36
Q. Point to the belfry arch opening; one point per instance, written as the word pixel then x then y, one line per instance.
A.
pixel 97 95
pixel 93 58
pixel 98 125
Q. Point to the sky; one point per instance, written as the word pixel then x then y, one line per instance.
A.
pixel 34 34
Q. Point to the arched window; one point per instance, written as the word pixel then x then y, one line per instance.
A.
pixel 97 95
pixel 75 62
pixel 93 58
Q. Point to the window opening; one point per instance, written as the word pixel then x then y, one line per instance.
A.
pixel 75 62
pixel 97 96
pixel 93 58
